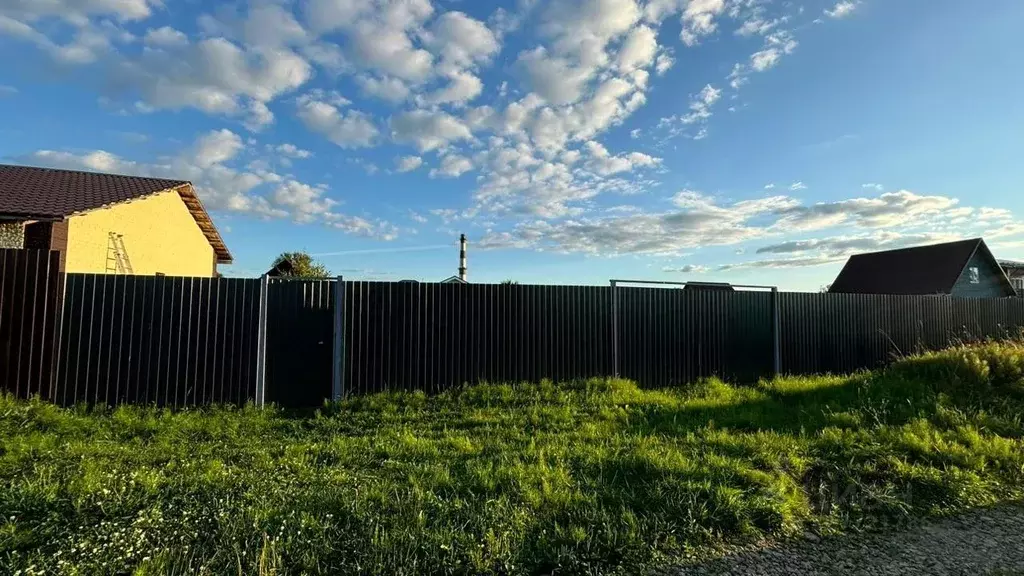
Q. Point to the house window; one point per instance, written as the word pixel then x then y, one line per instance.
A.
pixel 973 274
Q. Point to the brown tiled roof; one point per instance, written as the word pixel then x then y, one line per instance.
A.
pixel 29 192
pixel 930 269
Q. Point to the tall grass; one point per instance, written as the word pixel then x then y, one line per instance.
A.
pixel 593 477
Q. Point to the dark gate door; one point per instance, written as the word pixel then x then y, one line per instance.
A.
pixel 30 287
pixel 300 340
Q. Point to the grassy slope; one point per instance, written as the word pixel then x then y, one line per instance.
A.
pixel 591 478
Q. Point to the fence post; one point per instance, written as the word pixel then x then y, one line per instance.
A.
pixel 338 388
pixel 261 343
pixel 776 331
pixel 615 329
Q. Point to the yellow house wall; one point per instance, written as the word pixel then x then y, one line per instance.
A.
pixel 160 236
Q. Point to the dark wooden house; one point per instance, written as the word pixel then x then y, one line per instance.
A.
pixel 964 269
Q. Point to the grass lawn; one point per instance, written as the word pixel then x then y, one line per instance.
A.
pixel 596 477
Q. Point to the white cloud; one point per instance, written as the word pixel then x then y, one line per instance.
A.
pixel 408 163
pixel 256 192
pixel 891 209
pixel 700 221
pixel 699 20
pixel 215 75
pixel 347 129
pixel 390 89
pixel 304 202
pixel 84 45
pixel 462 87
pixel 873 186
pixel 554 78
pixel 638 49
pixel 461 41
pixel 428 130
pixel 166 37
pixel 76 12
pixel 258 116
pixel 603 163
pixel 842 9
pixel 292 151
pixel 581 29
pixel 217 147
pixel 701 103
pixel 738 77
pixel 378 33
pixel 765 59
pixel 664 63
pixel 759 26
pixel 796 186
pixel 835 249
pixel 897 219
pixel 686 269
pixel 781 263
pixel 842 246
pixel 452 166
pixel 700 112
pixel 271 26
pixel 777 44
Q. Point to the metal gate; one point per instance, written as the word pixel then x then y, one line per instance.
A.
pixel 300 341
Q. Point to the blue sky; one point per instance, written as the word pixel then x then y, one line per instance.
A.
pixel 748 141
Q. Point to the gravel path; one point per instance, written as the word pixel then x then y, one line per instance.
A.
pixel 988 541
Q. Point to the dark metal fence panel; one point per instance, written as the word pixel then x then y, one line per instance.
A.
pixel 30 288
pixel 300 336
pixel 158 340
pixel 670 337
pixel 192 341
pixel 840 333
pixel 425 336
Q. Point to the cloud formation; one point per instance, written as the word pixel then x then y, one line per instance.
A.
pixel 209 163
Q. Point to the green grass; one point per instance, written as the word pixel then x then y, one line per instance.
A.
pixel 595 477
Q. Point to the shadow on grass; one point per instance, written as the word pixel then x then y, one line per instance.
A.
pixel 793 406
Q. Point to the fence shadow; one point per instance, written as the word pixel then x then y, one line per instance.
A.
pixel 850 402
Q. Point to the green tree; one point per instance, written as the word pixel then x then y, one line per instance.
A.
pixel 508 282
pixel 302 266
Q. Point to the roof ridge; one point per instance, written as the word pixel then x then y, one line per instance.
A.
pixel 920 246
pixel 91 173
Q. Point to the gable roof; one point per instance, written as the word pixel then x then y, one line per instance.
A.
pixel 281 269
pixel 932 269
pixel 29 192
pixel 453 280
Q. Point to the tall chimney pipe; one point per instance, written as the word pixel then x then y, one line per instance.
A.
pixel 462 257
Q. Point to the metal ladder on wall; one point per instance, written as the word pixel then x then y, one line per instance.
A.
pixel 117 256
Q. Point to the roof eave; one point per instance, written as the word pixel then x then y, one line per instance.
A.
pixel 202 217
pixel 27 216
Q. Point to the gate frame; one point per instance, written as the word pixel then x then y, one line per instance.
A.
pixel 776 347
pixel 261 343
pixel 338 373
